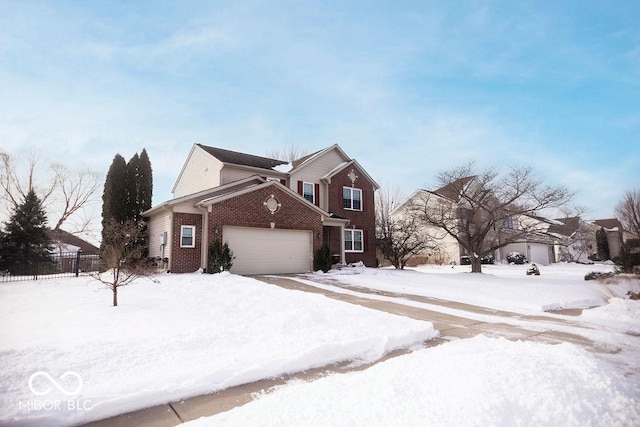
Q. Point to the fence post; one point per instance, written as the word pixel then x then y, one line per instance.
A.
pixel 78 263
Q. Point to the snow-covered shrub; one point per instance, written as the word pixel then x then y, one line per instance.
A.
pixel 516 258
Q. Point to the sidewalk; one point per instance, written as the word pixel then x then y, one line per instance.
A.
pixel 450 327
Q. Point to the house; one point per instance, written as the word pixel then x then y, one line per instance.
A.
pixel 456 205
pixel 274 216
pixel 72 253
pixel 615 234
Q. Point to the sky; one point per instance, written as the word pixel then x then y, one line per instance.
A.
pixel 409 89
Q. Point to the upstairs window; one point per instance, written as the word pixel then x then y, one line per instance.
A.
pixel 509 223
pixel 187 236
pixel 352 198
pixel 308 192
pixel 353 241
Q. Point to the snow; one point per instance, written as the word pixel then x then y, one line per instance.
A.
pixel 475 382
pixel 193 333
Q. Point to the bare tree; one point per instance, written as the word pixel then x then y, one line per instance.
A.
pixel 628 211
pixel 288 154
pixel 399 237
pixel 67 194
pixel 484 211
pixel 122 256
pixel 76 190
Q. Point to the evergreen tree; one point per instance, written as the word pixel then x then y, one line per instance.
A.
pixel 602 244
pixel 114 197
pixel 145 182
pixel 25 241
pixel 133 185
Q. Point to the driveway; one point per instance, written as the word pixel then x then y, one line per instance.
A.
pixel 458 321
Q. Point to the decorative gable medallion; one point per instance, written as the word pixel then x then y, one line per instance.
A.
pixel 352 177
pixel 272 204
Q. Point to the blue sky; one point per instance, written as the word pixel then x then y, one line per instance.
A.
pixel 407 88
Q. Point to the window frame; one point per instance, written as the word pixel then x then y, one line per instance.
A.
pixel 351 199
pixel 313 191
pixel 353 241
pixel 193 236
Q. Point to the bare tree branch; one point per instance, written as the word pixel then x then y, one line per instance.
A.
pixel 628 211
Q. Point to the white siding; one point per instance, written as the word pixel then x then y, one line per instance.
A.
pixel 317 168
pixel 231 174
pixel 158 225
pixel 201 172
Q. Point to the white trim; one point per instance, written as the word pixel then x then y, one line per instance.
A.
pixel 313 192
pixel 352 190
pixel 353 232
pixel 193 235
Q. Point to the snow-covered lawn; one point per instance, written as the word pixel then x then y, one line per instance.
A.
pixel 195 333
pixel 187 335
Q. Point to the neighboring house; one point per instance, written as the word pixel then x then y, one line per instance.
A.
pixel 575 239
pixel 537 246
pixel 273 215
pixel 615 234
pixel 69 249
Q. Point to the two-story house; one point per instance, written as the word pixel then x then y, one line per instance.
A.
pixel 273 215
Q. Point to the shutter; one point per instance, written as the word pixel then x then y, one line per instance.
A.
pixel 364 194
pixel 317 194
pixel 300 188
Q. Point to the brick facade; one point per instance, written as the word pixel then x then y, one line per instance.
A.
pixel 248 210
pixel 186 260
pixel 364 220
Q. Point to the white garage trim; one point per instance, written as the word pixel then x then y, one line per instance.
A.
pixel 269 251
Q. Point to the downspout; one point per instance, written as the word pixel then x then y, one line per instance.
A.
pixel 205 237
pixel 169 237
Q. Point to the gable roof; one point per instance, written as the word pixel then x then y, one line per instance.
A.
pixel 566 226
pixel 208 193
pixel 67 238
pixel 304 161
pixel 242 159
pixel 452 190
pixel 609 223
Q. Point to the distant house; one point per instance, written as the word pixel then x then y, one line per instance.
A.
pixel 69 249
pixel 541 240
pixel 273 215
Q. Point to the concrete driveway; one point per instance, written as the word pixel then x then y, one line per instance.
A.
pixel 464 324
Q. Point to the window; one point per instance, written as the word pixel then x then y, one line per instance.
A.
pixel 509 223
pixel 308 192
pixel 353 241
pixel 187 236
pixel 352 198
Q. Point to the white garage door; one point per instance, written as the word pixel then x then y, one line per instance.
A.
pixel 539 254
pixel 269 251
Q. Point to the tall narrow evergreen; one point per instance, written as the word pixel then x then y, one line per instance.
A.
pixel 127 192
pixel 145 182
pixel 114 197
pixel 133 185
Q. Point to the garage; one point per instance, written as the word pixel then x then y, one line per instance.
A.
pixel 269 251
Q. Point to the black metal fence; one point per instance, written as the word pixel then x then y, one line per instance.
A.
pixel 59 264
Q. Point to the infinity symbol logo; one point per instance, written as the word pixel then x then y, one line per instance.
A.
pixel 59 386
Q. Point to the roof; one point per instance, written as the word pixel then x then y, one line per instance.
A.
pixel 609 223
pixel 452 190
pixel 567 226
pixel 233 157
pixel 69 239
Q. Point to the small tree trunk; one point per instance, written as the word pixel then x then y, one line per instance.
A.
pixel 476 264
pixel 115 296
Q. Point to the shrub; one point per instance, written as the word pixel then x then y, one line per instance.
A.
pixel 220 257
pixel 597 275
pixel 516 258
pixel 323 259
